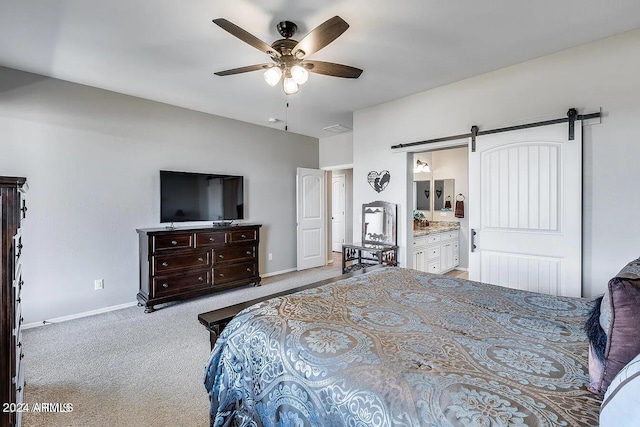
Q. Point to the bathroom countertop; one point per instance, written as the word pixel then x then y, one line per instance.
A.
pixel 436 227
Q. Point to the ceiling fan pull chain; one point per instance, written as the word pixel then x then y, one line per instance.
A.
pixel 286 115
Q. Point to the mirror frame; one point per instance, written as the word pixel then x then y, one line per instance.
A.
pixel 389 210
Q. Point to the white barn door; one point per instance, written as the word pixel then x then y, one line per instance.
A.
pixel 525 206
pixel 310 201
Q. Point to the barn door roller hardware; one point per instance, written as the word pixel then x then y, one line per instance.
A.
pixel 572 116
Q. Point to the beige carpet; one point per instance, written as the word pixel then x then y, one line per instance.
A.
pixel 127 368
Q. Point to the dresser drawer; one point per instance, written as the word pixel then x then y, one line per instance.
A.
pixel 172 242
pixel 167 263
pixel 239 253
pixel 17 320
pixel 23 209
pixel 17 281
pixel 233 272
pixel 419 242
pixel 243 236
pixel 449 235
pixel 171 285
pixel 18 381
pixel 19 353
pixel 433 238
pixel 17 342
pixel 211 239
pixel 19 246
pixel 19 385
pixel 433 253
pixel 434 267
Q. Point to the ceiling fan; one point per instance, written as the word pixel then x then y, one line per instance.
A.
pixel 289 56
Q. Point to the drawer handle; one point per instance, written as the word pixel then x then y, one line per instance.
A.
pixel 220 274
pixel 200 278
pixel 19 389
pixel 20 344
pixel 220 256
pixel 244 236
pixel 200 259
pixel 21 356
pixel 19 300
pixel 248 252
pixel 21 283
pixel 165 264
pixel 248 269
pixel 174 242
pixel 211 239
pixel 165 285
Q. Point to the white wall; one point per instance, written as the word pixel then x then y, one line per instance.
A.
pixel 92 159
pixel 336 150
pixel 601 74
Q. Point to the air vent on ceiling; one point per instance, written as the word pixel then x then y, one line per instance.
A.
pixel 337 129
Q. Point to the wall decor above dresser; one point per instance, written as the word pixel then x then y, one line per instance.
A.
pixel 182 263
pixel 12 213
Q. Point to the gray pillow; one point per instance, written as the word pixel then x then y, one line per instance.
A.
pixel 623 339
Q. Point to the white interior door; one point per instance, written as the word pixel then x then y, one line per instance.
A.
pixel 310 197
pixel 338 202
pixel 525 206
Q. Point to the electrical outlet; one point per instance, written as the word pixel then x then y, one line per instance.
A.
pixel 270 256
pixel 98 284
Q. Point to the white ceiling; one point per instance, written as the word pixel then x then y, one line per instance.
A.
pixel 168 50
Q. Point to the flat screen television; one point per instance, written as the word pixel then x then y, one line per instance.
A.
pixel 188 196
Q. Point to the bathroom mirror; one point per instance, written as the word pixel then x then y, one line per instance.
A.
pixel 443 191
pixel 423 195
pixel 379 223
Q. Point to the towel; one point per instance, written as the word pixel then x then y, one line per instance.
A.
pixel 459 209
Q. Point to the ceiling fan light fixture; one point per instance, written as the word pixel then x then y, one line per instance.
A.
pixel 272 76
pixel 290 86
pixel 299 74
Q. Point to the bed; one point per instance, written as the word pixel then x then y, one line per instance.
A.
pixel 398 347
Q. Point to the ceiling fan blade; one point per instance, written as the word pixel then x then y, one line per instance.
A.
pixel 332 69
pixel 244 69
pixel 245 36
pixel 321 36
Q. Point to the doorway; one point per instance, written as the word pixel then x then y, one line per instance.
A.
pixel 440 178
pixel 339 201
pixel 338 207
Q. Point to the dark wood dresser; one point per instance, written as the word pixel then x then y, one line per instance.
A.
pixel 188 262
pixel 12 213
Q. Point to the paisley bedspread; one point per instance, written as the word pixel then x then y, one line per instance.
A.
pixel 397 347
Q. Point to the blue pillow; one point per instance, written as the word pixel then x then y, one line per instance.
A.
pixel 597 336
pixel 620 406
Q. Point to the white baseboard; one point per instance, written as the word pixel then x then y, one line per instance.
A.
pixel 115 307
pixel 79 315
pixel 275 273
